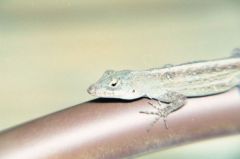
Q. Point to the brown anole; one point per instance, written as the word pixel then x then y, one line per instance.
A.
pixel 172 84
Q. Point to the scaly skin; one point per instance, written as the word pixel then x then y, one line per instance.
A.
pixel 170 85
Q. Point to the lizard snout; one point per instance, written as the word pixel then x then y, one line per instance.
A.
pixel 91 90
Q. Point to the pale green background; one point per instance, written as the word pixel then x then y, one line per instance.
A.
pixel 50 51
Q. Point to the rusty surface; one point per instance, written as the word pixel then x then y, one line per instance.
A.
pixel 111 129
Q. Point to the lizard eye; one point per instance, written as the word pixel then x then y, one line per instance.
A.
pixel 114 83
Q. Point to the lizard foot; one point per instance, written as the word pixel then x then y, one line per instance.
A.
pixel 161 113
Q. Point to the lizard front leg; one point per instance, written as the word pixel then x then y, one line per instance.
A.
pixel 171 102
pixel 175 101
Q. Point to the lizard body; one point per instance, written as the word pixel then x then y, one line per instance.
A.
pixel 170 85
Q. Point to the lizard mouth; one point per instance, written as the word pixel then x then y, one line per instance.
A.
pixel 104 94
pixel 93 91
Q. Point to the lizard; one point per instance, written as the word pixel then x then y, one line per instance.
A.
pixel 170 85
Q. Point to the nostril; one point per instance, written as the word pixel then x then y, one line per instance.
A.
pixel 91 89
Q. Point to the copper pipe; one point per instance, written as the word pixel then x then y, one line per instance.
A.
pixel 112 129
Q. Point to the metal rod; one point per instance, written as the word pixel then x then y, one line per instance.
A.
pixel 112 129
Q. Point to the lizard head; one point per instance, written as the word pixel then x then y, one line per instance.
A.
pixel 115 84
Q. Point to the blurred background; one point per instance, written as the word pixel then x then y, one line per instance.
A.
pixel 51 51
